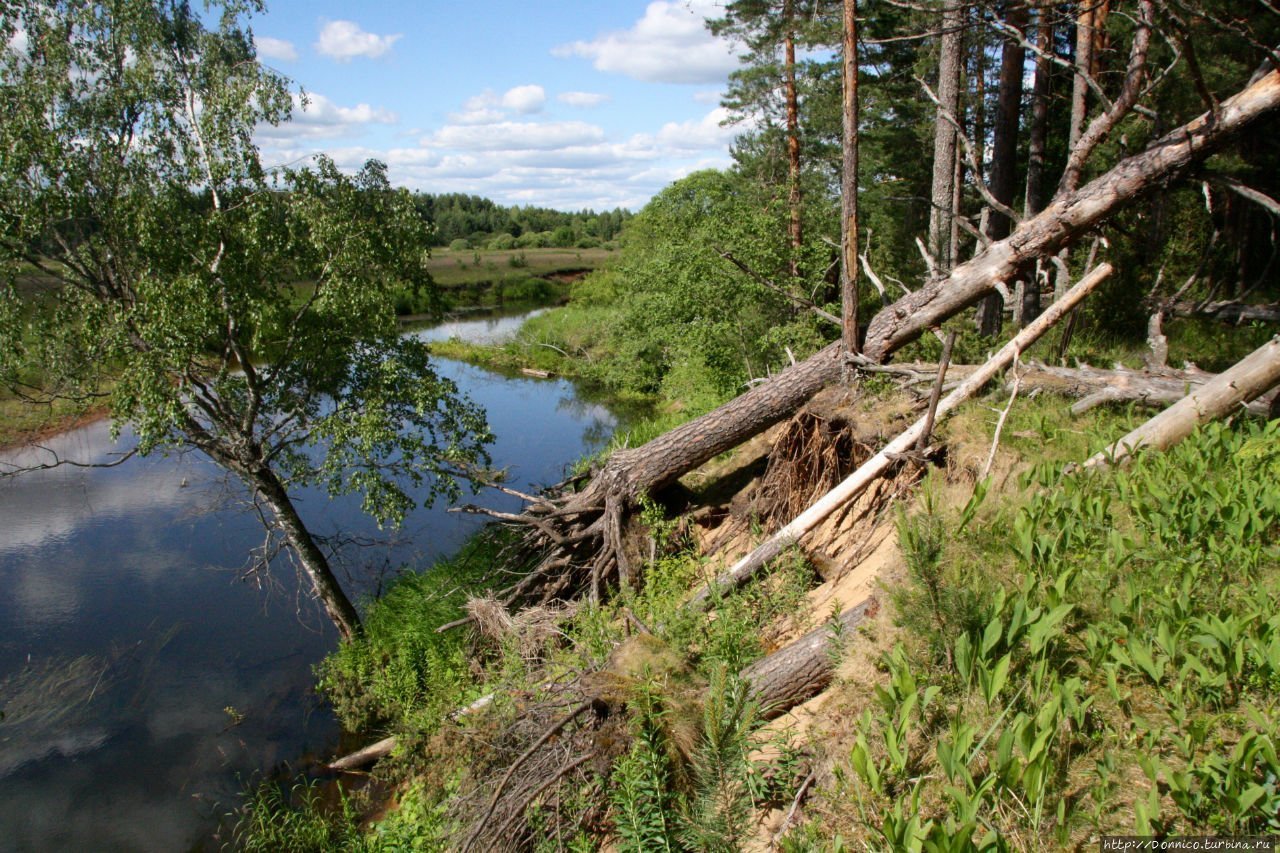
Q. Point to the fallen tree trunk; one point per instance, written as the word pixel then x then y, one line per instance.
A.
pixel 877 465
pixel 660 462
pixel 802 669
pixel 1068 215
pixel 1094 385
pixel 1226 311
pixel 1251 377
pixel 663 460
pixel 580 534
pixel 362 757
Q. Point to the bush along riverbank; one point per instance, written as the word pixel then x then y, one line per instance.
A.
pixel 1041 658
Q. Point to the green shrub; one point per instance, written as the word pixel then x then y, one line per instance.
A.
pixel 1131 625
pixel 400 670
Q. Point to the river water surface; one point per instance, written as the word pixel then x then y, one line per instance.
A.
pixel 143 682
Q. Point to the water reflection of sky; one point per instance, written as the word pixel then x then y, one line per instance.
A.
pixel 124 633
pixel 477 330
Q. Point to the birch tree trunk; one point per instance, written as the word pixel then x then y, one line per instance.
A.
pixel 312 560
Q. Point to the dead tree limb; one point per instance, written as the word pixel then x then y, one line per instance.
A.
pixel 1067 216
pixel 587 561
pixel 368 755
pixel 515 765
pixel 759 279
pixel 1227 311
pixel 1251 377
pixel 878 465
pixel 1093 385
pixel 936 394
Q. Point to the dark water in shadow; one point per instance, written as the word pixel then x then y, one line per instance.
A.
pixel 126 632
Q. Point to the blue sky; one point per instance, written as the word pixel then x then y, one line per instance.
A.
pixel 545 102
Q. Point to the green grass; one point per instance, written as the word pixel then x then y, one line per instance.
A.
pixel 1098 654
pixel 530 277
pixel 303 819
pixel 456 268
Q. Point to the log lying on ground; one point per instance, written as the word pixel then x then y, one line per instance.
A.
pixel 877 465
pixel 1251 377
pixel 366 756
pixel 1226 311
pixel 1095 385
pixel 802 669
pixel 579 534
pixel 1068 215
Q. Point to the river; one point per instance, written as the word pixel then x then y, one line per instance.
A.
pixel 143 681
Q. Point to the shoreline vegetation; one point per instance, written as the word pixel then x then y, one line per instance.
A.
pixel 935 704
pixel 902 738
pixel 806 602
pixel 469 281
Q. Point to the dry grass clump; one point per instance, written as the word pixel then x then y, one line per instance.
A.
pixel 528 630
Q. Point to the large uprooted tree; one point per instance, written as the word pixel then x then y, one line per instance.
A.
pixel 1151 119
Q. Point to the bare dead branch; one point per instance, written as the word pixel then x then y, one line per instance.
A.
pixel 1104 123
pixel 776 288
pixel 975 167
pixel 9 469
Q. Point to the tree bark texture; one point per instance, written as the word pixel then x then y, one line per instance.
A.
pixel 849 182
pixel 803 669
pixel 310 558
pixel 1250 378
pixel 1035 197
pixel 631 473
pixel 944 135
pixel 1227 311
pixel 1094 386
pixel 367 755
pixel 1004 154
pixel 796 228
pixel 1068 215
pixel 1087 22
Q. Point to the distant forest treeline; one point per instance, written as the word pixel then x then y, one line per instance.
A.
pixel 482 223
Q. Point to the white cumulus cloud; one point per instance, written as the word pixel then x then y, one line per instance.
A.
pixel 670 44
pixel 525 99
pixel 700 134
pixel 515 136
pixel 345 40
pixel 583 100
pixel 277 49
pixel 319 116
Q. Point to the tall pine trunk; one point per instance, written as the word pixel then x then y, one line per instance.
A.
pixel 796 227
pixel 944 135
pixel 1036 196
pixel 1004 153
pixel 849 181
